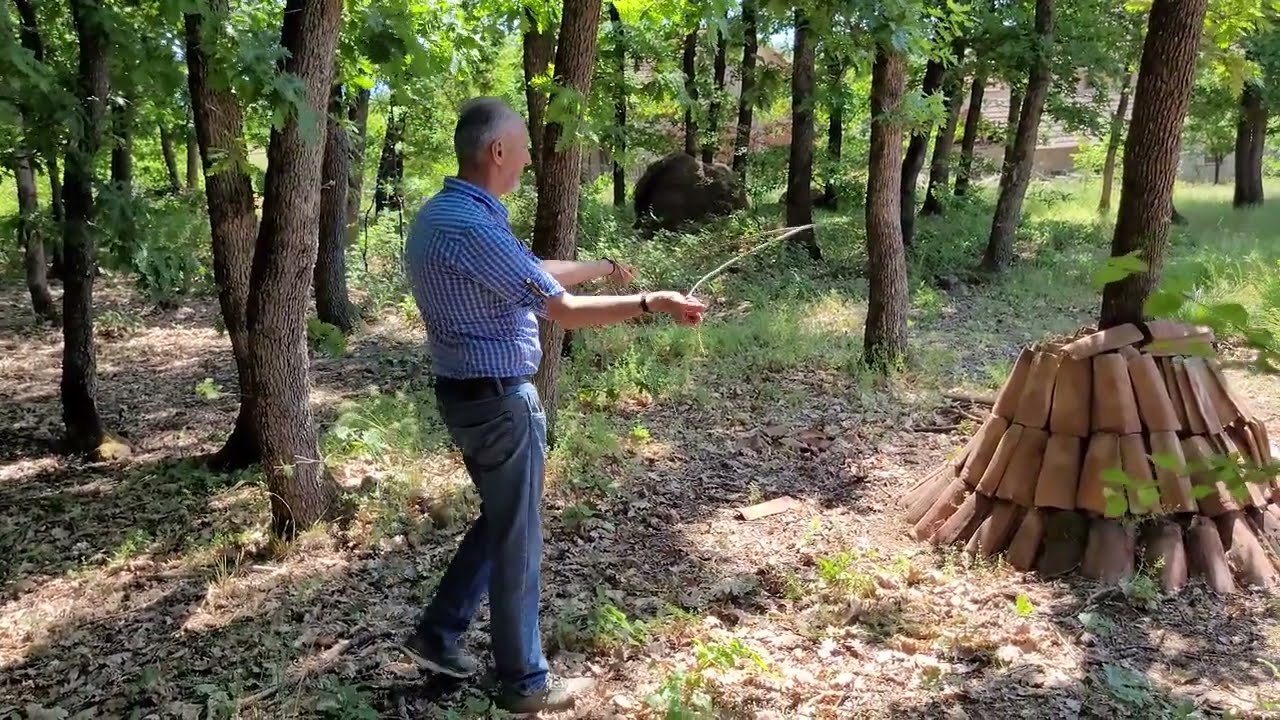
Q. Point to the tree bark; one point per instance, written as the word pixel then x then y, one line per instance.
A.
pixel 218 130
pixel 79 387
pixel 835 128
pixel 387 192
pixel 333 303
pixel 170 159
pixel 940 165
pixel 917 148
pixel 1011 128
pixel 57 209
pixel 358 114
pixel 29 235
pixel 122 148
pixel 619 106
pixel 1113 145
pixel 554 236
pixel 1251 135
pixel 742 141
pixel 800 164
pixel 970 140
pixel 1217 169
pixel 193 159
pixel 302 492
pixel 538 47
pixel 1151 152
pixel 885 337
pixel 1017 172
pixel 688 61
pixel 712 143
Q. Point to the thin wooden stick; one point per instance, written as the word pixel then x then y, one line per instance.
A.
pixel 786 233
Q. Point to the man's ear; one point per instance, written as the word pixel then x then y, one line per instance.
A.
pixel 497 150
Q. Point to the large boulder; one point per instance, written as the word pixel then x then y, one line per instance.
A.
pixel 679 190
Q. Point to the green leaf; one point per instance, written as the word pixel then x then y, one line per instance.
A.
pixel 1116 504
pixel 1118 268
pixel 1163 304
pixel 1233 314
pixel 1115 477
pixel 1149 495
pixel 1167 461
pixel 1022 605
pixel 1199 492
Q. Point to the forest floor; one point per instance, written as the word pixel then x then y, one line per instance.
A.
pixel 148 587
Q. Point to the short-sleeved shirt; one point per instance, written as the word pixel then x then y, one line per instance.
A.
pixel 479 289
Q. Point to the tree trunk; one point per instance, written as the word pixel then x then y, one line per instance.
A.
pixel 940 165
pixel 79 387
pixel 1017 172
pixel 1251 135
pixel 835 129
pixel 742 141
pixel 1151 152
pixel 619 106
pixel 193 159
pixel 689 63
pixel 358 114
pixel 913 161
pixel 218 131
pixel 122 148
pixel 885 337
pixel 29 235
pixel 387 193
pixel 712 143
pixel 302 492
pixel 539 46
pixel 554 227
pixel 1113 145
pixel 1217 169
pixel 1011 128
pixel 333 304
pixel 970 140
pixel 800 165
pixel 57 210
pixel 170 159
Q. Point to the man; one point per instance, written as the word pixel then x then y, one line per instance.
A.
pixel 480 292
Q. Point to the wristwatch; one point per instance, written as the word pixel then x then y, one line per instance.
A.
pixel 644 303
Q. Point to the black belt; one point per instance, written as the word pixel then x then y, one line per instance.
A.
pixel 479 388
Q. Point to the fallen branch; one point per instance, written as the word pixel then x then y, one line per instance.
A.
pixel 321 663
pixel 969 397
pixel 935 428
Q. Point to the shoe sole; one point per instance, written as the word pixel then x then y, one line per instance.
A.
pixel 435 667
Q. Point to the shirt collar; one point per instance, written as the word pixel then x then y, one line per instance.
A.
pixel 456 184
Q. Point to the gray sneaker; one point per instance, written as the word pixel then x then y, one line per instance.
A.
pixel 559 694
pixel 452 662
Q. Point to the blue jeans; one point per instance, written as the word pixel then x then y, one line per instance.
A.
pixel 503 442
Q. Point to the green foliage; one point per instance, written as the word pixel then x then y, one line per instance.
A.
pixel 688 694
pixel 326 338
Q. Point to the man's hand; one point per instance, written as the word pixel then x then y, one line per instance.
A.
pixel 684 310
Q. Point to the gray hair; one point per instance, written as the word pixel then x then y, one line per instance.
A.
pixel 480 121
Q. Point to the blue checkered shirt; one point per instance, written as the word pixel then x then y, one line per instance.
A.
pixel 479 289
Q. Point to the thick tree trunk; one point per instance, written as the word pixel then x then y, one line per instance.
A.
pixel 885 337
pixel 539 47
pixel 940 165
pixel 913 161
pixel 79 387
pixel 193 160
pixel 712 144
pixel 1011 128
pixel 302 492
pixel 970 140
pixel 800 165
pixel 170 159
pixel 57 210
pixel 29 235
pixel 742 141
pixel 1217 169
pixel 333 303
pixel 1151 152
pixel 835 128
pixel 1251 135
pixel 358 114
pixel 688 62
pixel 387 192
pixel 218 130
pixel 122 148
pixel 1017 173
pixel 619 105
pixel 1113 145
pixel 554 236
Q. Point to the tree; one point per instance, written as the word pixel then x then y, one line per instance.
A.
pixel 689 63
pixel 388 193
pixel 885 337
pixel 170 158
pixel 970 140
pixel 233 220
pixel 1114 137
pixel 1017 172
pixel 79 387
pixel 800 164
pixel 746 99
pixel 712 143
pixel 554 235
pixel 1251 136
pixel 302 493
pixel 940 165
pixel 333 304
pixel 836 66
pixel 358 115
pixel 1151 153
pixel 619 105
pixel 913 161
pixel 538 46
pixel 1212 115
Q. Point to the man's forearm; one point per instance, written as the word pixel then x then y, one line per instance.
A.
pixel 571 272
pixel 575 311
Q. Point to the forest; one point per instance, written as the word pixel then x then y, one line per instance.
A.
pixel 984 433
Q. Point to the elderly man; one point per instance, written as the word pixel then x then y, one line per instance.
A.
pixel 480 291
